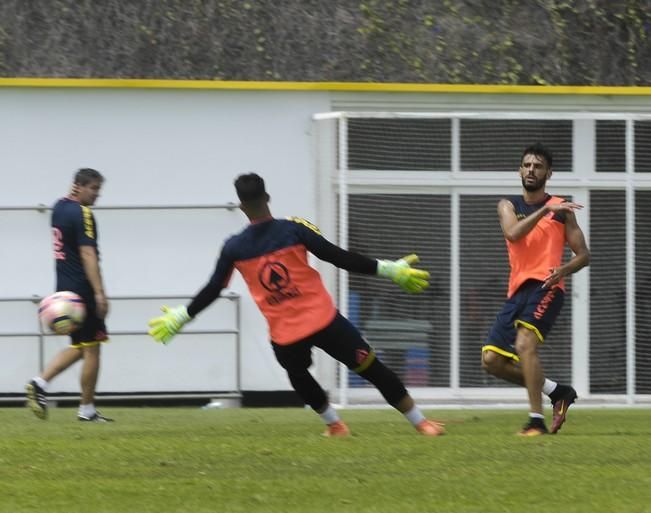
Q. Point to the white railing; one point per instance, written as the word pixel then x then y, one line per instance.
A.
pixel 44 339
pixel 191 366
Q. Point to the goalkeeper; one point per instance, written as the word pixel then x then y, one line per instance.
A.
pixel 271 255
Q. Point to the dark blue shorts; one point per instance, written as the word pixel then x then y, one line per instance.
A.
pixel 93 330
pixel 340 339
pixel 531 306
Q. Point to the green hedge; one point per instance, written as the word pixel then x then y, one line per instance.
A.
pixel 556 42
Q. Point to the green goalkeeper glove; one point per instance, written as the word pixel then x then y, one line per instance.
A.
pixel 400 271
pixel 164 328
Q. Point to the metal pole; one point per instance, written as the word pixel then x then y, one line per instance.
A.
pixel 343 242
pixel 630 262
pixel 455 264
pixel 45 208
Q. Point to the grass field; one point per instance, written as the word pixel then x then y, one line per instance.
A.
pixel 273 460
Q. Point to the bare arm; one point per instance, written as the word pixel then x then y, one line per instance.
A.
pixel 91 267
pixel 515 229
pixel 512 228
pixel 576 242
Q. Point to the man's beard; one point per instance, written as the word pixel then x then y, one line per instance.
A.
pixel 535 186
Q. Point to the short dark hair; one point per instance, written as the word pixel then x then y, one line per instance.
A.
pixel 86 175
pixel 250 187
pixel 539 150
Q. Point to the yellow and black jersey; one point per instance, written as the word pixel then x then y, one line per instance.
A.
pixel 73 225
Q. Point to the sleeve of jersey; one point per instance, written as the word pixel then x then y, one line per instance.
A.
pixel 85 227
pixel 210 292
pixel 325 250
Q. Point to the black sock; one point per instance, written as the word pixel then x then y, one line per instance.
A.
pixel 558 392
pixel 536 421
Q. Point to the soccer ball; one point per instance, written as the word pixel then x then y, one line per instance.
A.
pixel 62 312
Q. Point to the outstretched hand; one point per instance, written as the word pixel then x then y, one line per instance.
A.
pixel 566 206
pixel 164 328
pixel 400 271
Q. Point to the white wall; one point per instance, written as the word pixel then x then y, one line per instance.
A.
pixel 174 147
pixel 155 147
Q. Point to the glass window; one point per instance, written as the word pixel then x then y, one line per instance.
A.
pixel 399 144
pixel 642 294
pixel 643 146
pixel 484 273
pixel 611 146
pixel 607 292
pixel 497 144
pixel 410 332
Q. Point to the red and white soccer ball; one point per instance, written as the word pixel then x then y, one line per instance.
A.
pixel 63 312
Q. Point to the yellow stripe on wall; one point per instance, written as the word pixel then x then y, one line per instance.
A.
pixel 321 86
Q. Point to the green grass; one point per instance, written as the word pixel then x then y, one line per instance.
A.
pixel 273 460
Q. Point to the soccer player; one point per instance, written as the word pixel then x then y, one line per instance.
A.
pixel 76 254
pixel 536 227
pixel 271 255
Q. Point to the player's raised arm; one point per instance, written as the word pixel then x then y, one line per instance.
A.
pixel 512 228
pixel 399 271
pixel 164 328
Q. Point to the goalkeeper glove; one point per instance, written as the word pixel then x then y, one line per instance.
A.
pixel 164 328
pixel 400 271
